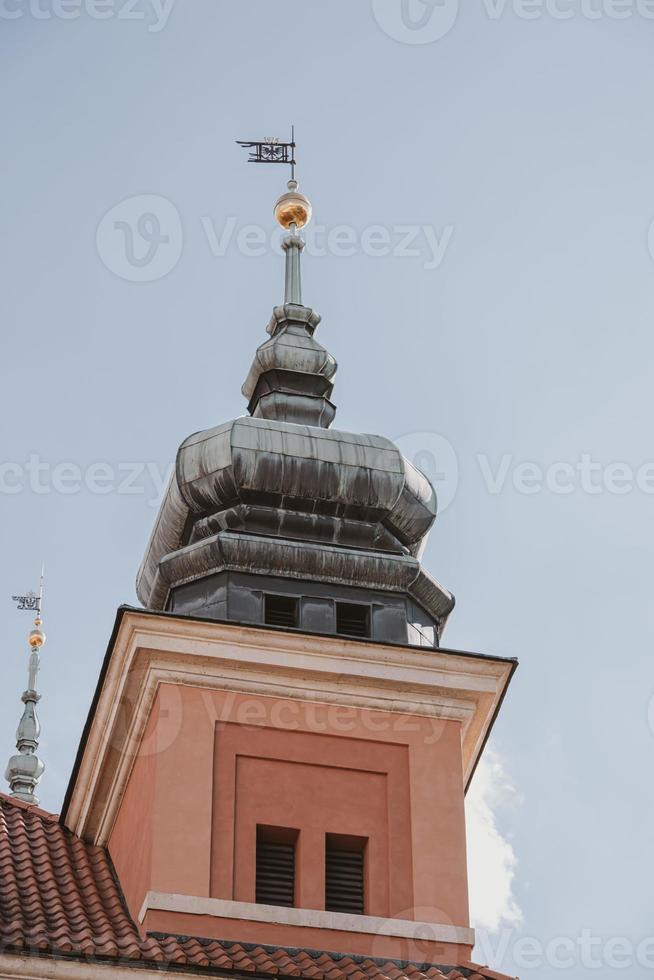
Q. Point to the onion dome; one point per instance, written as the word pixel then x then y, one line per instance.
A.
pixel 279 502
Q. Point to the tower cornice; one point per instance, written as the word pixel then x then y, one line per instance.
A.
pixel 148 650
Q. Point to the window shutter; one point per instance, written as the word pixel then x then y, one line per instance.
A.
pixel 352 619
pixel 281 610
pixel 275 871
pixel 344 878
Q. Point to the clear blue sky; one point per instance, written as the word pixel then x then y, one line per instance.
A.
pixel 524 146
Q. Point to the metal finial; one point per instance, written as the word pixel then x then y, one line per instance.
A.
pixel 292 210
pixel 24 770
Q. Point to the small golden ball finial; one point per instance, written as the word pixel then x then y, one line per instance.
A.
pixel 293 208
pixel 36 639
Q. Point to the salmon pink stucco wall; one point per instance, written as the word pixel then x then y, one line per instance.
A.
pixel 315 784
pixel 132 839
pixel 214 764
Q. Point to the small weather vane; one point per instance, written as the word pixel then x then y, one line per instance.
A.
pixel 31 601
pixel 270 149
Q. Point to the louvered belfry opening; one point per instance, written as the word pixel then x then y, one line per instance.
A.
pixel 276 866
pixel 345 874
pixel 352 619
pixel 281 610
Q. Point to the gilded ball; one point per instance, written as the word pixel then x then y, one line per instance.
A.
pixel 36 638
pixel 293 208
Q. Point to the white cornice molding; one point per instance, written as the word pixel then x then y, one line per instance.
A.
pixel 307 918
pixel 151 650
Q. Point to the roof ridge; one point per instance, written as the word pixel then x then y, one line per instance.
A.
pixel 6 800
pixel 485 971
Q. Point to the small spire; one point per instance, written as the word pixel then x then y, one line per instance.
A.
pixel 25 769
pixel 291 378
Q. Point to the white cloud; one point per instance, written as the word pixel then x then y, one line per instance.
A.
pixel 491 859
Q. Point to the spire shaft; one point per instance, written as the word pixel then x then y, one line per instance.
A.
pixel 25 769
pixel 293 245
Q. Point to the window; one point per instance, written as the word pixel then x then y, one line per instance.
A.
pixel 344 874
pixel 276 866
pixel 352 619
pixel 281 610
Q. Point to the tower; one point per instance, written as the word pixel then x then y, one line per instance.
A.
pixel 25 769
pixel 279 746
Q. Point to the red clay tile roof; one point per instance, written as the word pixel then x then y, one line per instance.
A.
pixel 59 897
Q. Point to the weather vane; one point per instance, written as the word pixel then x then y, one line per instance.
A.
pixel 31 600
pixel 272 150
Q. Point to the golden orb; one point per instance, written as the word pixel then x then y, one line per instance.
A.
pixel 36 638
pixel 293 208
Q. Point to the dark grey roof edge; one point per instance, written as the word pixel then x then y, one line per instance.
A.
pixel 331 636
